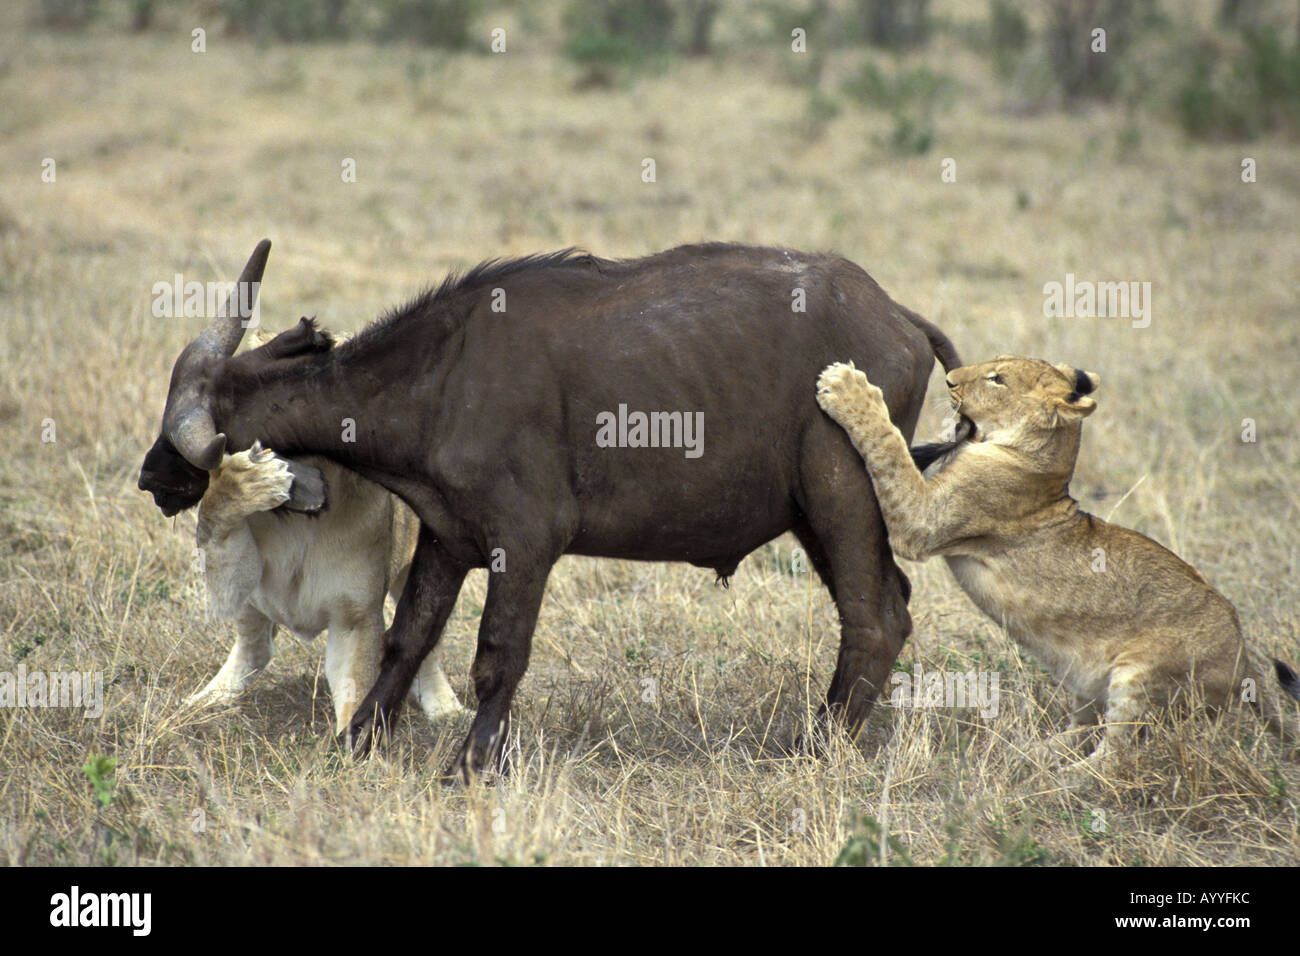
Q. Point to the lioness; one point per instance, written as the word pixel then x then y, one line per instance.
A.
pixel 1121 622
pixel 330 572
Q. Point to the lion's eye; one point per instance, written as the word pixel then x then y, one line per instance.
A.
pixel 996 379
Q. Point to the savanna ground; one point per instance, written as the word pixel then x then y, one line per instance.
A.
pixel 648 728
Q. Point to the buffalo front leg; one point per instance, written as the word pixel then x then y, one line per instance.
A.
pixel 505 639
pixel 422 612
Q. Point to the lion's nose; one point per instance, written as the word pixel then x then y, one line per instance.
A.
pixel 948 379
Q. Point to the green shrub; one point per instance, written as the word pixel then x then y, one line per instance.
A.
pixel 1242 95
pixel 290 20
pixel 1272 73
pixel 604 34
pixel 1207 109
pixel 819 111
pixel 912 135
pixel 440 23
pixel 909 96
pixel 864 845
pixel 99 771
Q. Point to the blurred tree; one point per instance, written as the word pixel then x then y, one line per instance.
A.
pixel 896 24
pixel 1238 13
pixel 701 14
pixel 437 23
pixel 649 21
pixel 440 23
pixel 1240 90
pixel 1008 36
pixel 603 35
pixel 64 14
pixel 1081 69
pixel 334 25
pixel 141 15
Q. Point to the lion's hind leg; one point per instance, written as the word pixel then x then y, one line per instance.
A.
pixel 1077 738
pixel 1131 690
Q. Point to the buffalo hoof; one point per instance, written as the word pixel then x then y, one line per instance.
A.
pixel 362 734
pixel 808 746
pixel 476 764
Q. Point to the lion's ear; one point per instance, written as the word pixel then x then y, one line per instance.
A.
pixel 1085 383
pixel 1076 406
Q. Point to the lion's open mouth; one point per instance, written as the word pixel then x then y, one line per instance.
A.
pixel 965 430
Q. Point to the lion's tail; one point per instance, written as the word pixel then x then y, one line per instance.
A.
pixel 1280 719
pixel 1288 678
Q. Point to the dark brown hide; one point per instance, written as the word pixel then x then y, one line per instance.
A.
pixel 485 423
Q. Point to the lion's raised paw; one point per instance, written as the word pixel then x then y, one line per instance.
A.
pixel 254 479
pixel 842 387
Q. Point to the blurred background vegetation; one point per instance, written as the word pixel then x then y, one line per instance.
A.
pixel 1231 76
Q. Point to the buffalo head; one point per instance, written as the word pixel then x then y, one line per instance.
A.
pixel 175 469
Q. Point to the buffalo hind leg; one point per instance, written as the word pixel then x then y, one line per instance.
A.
pixel 870 590
pixel 505 637
pixel 874 625
pixel 422 612
pixel 816 554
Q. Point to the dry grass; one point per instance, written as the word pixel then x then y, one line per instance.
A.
pixel 168 162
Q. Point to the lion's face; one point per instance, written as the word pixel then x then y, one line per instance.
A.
pixel 1010 394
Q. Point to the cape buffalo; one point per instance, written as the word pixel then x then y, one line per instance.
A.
pixel 486 405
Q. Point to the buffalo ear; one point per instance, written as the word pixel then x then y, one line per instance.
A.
pixel 309 493
pixel 303 339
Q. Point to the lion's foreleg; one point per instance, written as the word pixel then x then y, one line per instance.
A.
pixel 905 501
